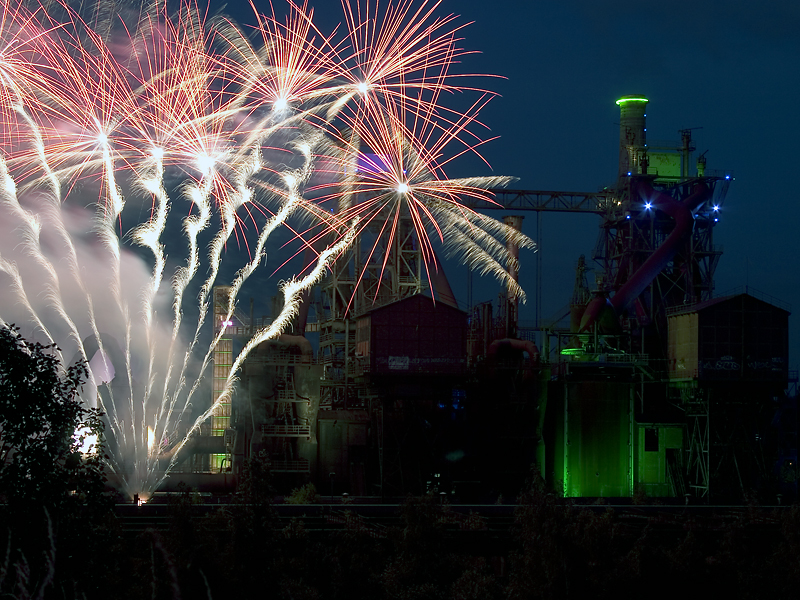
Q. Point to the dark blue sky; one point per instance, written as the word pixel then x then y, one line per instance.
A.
pixel 730 67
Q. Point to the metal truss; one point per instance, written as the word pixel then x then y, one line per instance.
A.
pixel 541 201
pixel 383 265
pixel 630 233
pixel 388 264
pixel 698 448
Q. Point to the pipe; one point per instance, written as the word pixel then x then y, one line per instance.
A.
pixel 682 213
pixel 525 345
pixel 592 313
pixel 298 341
pixel 521 345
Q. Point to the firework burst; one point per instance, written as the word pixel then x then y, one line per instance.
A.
pixel 183 123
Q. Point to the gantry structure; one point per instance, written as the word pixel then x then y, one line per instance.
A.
pixel 630 233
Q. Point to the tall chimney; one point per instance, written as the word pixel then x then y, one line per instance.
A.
pixel 632 135
pixel 515 222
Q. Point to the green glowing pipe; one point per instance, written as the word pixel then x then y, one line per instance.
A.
pixel 623 100
pixel 572 351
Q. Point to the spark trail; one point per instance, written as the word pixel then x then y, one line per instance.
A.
pixel 134 154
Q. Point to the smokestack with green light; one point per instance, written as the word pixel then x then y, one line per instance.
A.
pixel 632 135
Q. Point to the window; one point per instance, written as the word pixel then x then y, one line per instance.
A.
pixel 651 439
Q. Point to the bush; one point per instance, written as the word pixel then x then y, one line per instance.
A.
pixel 306 494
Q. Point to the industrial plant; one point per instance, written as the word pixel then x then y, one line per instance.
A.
pixel 646 384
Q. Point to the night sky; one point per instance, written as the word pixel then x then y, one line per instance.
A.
pixel 728 67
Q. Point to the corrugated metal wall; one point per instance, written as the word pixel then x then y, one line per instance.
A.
pixel 416 336
pixel 593 447
pixel 740 337
pixel 682 345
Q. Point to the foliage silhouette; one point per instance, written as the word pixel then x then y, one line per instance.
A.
pixel 53 496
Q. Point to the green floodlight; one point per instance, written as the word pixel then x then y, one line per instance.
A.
pixel 625 99
pixel 572 351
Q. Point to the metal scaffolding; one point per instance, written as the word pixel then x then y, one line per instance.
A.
pixel 629 234
pixel 382 266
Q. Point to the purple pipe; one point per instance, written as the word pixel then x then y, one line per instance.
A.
pixel 681 212
pixel 592 312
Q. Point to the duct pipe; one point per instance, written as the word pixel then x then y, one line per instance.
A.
pixel 298 341
pixel 682 213
pixel 526 345
pixel 520 345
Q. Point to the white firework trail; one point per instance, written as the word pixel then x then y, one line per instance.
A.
pixel 192 226
pixel 243 195
pixel 191 97
pixel 33 225
pixel 107 217
pixel 149 235
pixel 292 181
pixel 29 229
pixel 229 219
pixel 291 295
pixel 10 269
pixel 54 215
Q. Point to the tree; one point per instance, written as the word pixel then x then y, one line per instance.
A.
pixel 52 500
pixel 41 413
